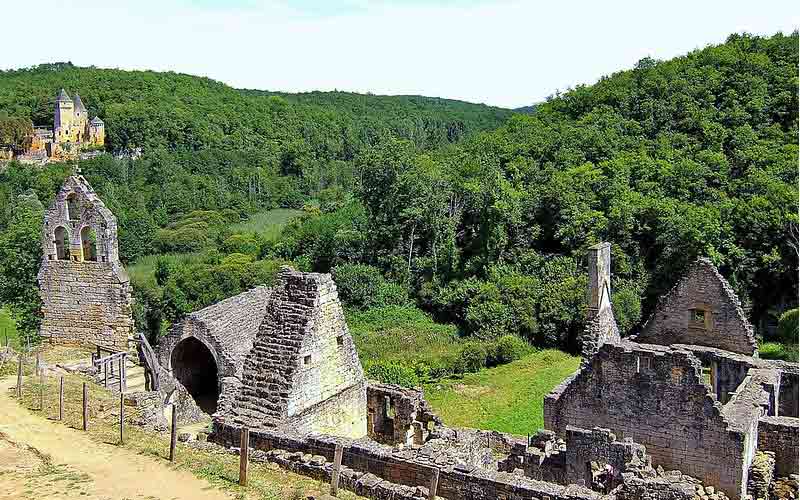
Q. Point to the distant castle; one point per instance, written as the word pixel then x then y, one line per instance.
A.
pixel 72 135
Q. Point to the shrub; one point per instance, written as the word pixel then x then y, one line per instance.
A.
pixel 241 243
pixel 390 372
pixel 788 326
pixel 392 294
pixel 471 358
pixel 508 348
pixel 771 350
pixel 358 284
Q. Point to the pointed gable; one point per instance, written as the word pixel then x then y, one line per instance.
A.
pixel 701 309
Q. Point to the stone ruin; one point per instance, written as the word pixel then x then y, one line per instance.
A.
pixel 690 387
pixel 85 291
pixel 684 410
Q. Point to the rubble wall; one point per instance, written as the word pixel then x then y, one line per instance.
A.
pixel 780 436
pixel 655 396
pixel 85 303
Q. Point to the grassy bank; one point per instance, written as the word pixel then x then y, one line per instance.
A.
pixel 8 329
pixel 507 398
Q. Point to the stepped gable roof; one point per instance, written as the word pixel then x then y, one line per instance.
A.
pixel 302 354
pixel 79 104
pixel 63 96
pixel 97 121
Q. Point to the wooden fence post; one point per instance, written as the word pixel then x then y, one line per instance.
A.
pixel 105 374
pixel 121 418
pixel 85 407
pixel 41 390
pixel 37 364
pixel 434 489
pixel 61 398
pixel 122 382
pixel 19 378
pixel 173 438
pixel 244 455
pixel 337 465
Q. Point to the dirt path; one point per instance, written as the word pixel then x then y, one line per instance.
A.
pixel 44 459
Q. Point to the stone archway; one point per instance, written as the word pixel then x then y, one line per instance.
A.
pixel 195 367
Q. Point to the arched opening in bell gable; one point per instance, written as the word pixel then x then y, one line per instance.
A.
pixel 61 240
pixel 89 244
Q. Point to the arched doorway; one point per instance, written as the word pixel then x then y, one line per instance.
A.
pixel 194 367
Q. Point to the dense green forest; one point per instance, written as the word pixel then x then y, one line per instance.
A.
pixel 462 226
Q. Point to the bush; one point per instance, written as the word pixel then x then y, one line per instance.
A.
pixel 771 350
pixel 506 349
pixel 390 372
pixel 392 294
pixel 472 358
pixel 788 326
pixel 358 284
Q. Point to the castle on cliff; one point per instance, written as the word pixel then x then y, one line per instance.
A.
pixel 73 135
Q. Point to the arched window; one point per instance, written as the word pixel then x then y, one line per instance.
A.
pixel 89 244
pixel 61 239
pixel 73 207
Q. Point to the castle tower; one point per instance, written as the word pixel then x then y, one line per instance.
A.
pixel 97 132
pixel 64 116
pixel 81 119
pixel 85 291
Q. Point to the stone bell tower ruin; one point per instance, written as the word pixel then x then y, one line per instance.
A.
pixel 85 291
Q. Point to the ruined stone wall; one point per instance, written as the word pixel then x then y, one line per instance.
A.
pixel 85 303
pixel 780 436
pixel 396 415
pixel 655 396
pixel 702 291
pixel 409 467
pixel 788 393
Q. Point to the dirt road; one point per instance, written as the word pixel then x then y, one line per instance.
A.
pixel 41 459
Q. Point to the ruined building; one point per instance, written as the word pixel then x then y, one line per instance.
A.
pixel 85 291
pixel 273 358
pixel 644 418
pixel 690 387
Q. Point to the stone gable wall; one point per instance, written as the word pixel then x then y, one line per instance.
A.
pixel 83 302
pixel 656 397
pixel 703 287
pixel 302 356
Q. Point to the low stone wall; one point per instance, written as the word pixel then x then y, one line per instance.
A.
pixel 409 467
pixel 780 436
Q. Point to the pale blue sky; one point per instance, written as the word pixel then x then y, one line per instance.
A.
pixel 502 52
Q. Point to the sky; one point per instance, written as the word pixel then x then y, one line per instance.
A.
pixel 507 53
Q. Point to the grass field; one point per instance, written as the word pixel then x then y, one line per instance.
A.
pixel 8 328
pixel 268 223
pixel 508 398
pixel 143 271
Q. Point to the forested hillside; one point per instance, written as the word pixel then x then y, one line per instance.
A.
pixel 486 233
pixel 147 109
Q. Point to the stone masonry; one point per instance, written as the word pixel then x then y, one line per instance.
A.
pixel 85 291
pixel 701 309
pixel 690 387
pixel 303 369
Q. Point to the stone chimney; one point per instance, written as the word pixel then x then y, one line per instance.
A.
pixel 599 279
